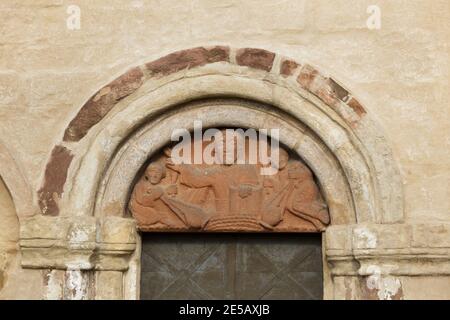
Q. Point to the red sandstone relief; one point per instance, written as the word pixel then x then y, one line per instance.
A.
pixel 228 197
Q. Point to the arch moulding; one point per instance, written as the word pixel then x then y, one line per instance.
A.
pixel 116 131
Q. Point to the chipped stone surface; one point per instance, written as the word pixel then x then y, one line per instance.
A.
pixel 356 106
pixel 54 283
pixel 76 285
pixel 54 179
pixel 383 288
pixel 337 90
pixel 364 238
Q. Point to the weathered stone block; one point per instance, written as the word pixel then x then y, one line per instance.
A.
pixel 101 103
pixel 43 227
pixel 187 59
pixel 288 67
pixel 54 180
pixel 255 58
pixel 109 285
pixel 432 235
pixel 338 237
pixel 118 230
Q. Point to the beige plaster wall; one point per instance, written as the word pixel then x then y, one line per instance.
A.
pixel 426 288
pixel 9 228
pixel 15 282
pixel 9 232
pixel 399 72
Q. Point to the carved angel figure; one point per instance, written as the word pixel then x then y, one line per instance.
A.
pixel 293 189
pixel 154 203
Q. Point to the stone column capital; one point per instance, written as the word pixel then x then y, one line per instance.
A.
pixel 392 249
pixel 77 242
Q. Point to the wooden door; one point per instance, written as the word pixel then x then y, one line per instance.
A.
pixel 231 266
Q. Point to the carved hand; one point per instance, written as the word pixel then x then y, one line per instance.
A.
pixel 245 190
pixel 172 190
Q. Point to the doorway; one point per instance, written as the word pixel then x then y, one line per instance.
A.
pixel 231 266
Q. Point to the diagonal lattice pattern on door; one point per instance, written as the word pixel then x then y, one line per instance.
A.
pixel 231 266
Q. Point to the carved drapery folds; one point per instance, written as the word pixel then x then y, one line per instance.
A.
pixel 228 197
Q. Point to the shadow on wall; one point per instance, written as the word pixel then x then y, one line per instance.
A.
pixel 15 282
pixel 9 232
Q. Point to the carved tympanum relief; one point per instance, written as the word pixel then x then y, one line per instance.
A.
pixel 228 197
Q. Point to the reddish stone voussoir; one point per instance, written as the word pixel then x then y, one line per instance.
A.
pixel 288 67
pixel 328 90
pixel 98 106
pixel 102 102
pixel 54 180
pixel 255 58
pixel 188 59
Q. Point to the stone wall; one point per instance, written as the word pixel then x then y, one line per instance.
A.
pixel 400 73
pixel 15 282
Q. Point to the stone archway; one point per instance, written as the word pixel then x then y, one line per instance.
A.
pixel 296 88
pixel 126 121
pixel 114 192
pixel 240 234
